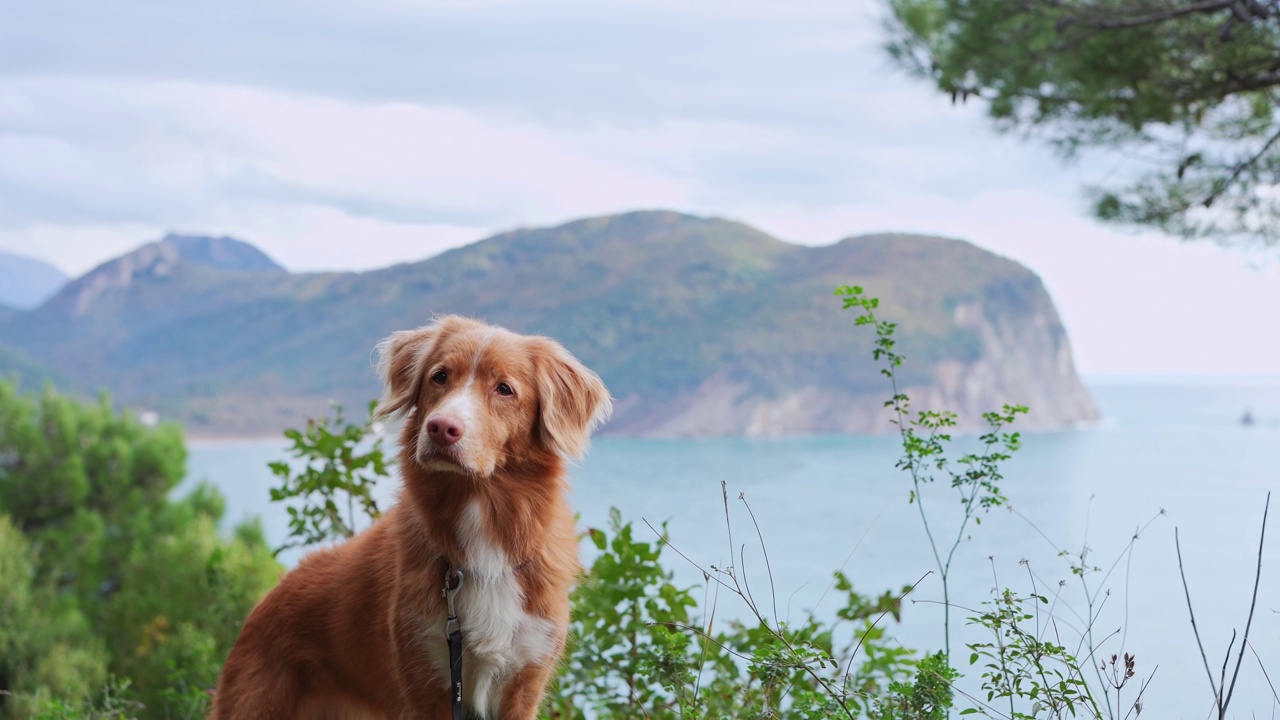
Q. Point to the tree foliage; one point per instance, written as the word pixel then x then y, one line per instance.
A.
pixel 104 574
pixel 336 465
pixel 1188 86
pixel 44 645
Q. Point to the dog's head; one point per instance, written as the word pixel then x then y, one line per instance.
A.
pixel 478 398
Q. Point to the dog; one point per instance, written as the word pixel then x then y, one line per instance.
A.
pixel 482 528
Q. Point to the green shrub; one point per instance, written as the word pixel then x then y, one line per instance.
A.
pixel 114 578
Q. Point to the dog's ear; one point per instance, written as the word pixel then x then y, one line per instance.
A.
pixel 400 360
pixel 571 400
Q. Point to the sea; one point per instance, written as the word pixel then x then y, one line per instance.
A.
pixel 1172 463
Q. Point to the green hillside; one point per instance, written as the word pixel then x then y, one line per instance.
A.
pixel 671 310
pixel 30 374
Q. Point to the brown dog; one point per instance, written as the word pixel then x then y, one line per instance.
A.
pixel 359 630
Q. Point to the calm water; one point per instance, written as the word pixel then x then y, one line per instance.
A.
pixel 830 502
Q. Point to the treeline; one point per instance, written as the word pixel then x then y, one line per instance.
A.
pixel 113 594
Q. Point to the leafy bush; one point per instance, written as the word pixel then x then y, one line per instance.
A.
pixel 640 649
pixel 105 575
pixel 45 645
pixel 330 471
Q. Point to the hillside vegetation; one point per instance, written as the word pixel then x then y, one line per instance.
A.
pixel 699 326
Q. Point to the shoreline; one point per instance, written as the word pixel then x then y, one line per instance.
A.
pixel 204 439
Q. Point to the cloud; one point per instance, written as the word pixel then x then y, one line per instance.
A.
pixel 351 136
pixel 481 115
pixel 577 62
pixel 85 151
pixel 165 155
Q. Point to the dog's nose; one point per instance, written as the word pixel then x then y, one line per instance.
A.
pixel 445 430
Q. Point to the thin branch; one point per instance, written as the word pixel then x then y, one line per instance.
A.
pixel 1222 679
pixel 728 526
pixel 1253 604
pixel 849 667
pixel 711 621
pixel 1220 189
pixel 746 585
pixel 1135 707
pixel 847 558
pixel 1263 668
pixel 1217 695
pixel 707 573
pixel 1119 23
pixel 773 589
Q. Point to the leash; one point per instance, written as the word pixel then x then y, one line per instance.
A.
pixel 453 631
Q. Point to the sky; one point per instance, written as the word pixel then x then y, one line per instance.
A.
pixel 357 135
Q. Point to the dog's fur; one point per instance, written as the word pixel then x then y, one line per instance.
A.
pixel 359 630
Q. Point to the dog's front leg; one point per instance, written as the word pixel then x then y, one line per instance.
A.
pixel 427 708
pixel 423 696
pixel 424 693
pixel 523 694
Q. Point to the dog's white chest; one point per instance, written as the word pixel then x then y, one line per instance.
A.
pixel 498 636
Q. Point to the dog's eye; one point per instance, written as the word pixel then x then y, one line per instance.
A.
pixel 440 377
pixel 505 390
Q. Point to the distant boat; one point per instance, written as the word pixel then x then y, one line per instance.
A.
pixel 1247 419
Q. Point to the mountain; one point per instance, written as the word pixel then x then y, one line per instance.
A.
pixel 25 282
pixel 699 326
pixel 221 253
pixel 146 291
